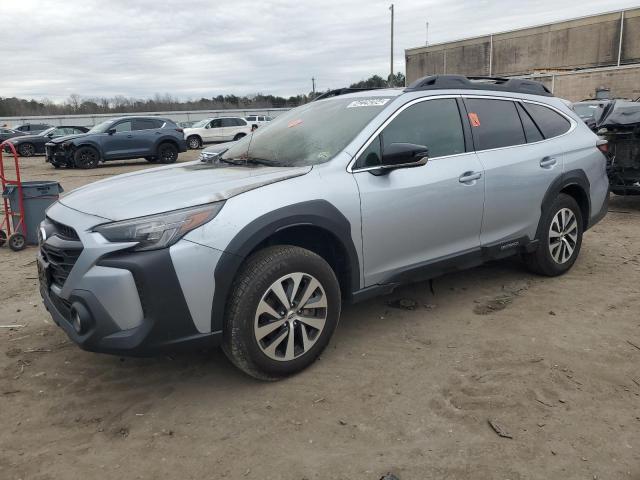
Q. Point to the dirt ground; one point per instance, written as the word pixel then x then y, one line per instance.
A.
pixel 553 361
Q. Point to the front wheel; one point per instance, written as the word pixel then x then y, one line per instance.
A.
pixel 283 308
pixel 86 157
pixel 194 142
pixel 560 240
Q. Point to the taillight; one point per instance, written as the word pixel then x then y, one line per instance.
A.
pixel 603 145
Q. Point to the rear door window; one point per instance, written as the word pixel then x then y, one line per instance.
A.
pixel 145 124
pixel 494 123
pixel 531 131
pixel 550 122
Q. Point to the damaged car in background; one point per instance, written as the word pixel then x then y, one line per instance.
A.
pixel 618 122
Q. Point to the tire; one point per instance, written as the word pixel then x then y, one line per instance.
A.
pixel 167 153
pixel 151 159
pixel 239 136
pixel 194 142
pixel 560 239
pixel 55 165
pixel 263 354
pixel 3 237
pixel 27 150
pixel 86 157
pixel 17 242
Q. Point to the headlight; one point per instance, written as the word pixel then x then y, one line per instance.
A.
pixel 208 156
pixel 159 231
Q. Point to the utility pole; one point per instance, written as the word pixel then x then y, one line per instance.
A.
pixel 391 76
pixel 426 42
pixel 313 86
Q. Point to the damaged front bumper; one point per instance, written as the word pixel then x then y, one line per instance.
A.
pixel 58 154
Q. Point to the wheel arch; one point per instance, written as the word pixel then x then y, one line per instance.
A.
pixel 575 184
pixel 316 225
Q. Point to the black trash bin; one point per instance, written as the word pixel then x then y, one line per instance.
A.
pixel 37 196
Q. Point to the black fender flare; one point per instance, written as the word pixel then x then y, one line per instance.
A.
pixel 317 213
pixel 567 179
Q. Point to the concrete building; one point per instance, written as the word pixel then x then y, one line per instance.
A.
pixel 572 58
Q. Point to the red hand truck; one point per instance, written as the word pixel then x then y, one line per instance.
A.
pixel 18 239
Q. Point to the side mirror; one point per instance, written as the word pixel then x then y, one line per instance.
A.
pixel 400 155
pixel 50 135
pixel 111 131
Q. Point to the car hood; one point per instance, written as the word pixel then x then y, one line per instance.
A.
pixel 173 187
pixel 65 138
pixel 23 138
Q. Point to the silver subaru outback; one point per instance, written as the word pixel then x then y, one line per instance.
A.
pixel 257 247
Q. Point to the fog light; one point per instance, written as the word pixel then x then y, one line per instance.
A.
pixel 80 318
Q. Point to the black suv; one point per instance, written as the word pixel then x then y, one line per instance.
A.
pixel 155 139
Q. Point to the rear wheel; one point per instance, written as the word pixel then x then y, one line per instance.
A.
pixel 194 142
pixel 86 157
pixel 283 308
pixel 27 150
pixel 167 153
pixel 560 240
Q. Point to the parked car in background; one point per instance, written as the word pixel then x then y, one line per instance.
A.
pixel 618 121
pixel 7 133
pixel 221 129
pixel 258 119
pixel 153 138
pixel 186 124
pixel 29 145
pixel 592 111
pixel 32 128
pixel 336 201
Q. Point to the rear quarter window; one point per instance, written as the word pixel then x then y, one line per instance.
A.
pixel 550 122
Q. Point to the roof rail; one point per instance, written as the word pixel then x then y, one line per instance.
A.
pixel 518 85
pixel 344 91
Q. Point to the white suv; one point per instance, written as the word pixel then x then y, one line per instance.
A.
pixel 221 129
pixel 258 119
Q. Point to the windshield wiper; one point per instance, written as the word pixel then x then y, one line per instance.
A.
pixel 248 161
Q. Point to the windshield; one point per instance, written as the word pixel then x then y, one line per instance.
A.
pixel 201 123
pixel 47 131
pixel 588 110
pixel 308 135
pixel 101 127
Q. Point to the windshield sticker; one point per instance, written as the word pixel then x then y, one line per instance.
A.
pixel 475 121
pixel 294 123
pixel 369 102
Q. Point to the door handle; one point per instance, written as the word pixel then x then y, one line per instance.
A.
pixel 548 162
pixel 129 136
pixel 468 177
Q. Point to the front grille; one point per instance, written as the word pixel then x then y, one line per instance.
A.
pixel 61 250
pixel 63 231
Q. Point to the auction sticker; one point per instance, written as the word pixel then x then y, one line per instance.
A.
pixel 369 102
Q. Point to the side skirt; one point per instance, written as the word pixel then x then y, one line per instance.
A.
pixel 439 267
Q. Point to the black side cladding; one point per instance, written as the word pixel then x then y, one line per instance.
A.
pixel 317 213
pixel 163 304
pixel 568 179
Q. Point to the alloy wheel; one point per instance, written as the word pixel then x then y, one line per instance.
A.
pixel 563 235
pixel 290 316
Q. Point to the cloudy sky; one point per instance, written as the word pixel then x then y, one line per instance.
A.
pixel 195 48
